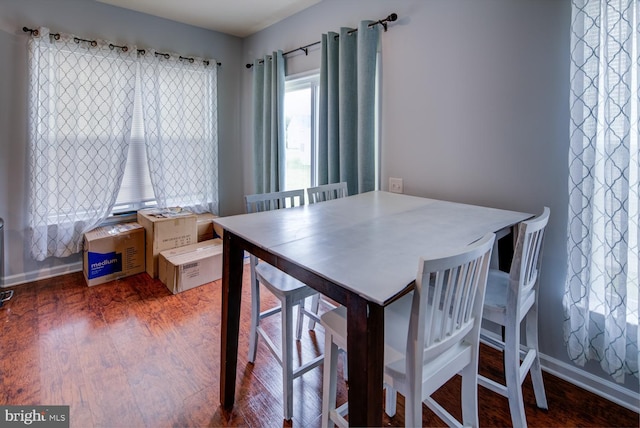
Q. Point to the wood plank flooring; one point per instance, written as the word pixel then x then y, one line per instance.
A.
pixel 131 354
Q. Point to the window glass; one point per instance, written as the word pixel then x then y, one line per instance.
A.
pixel 301 111
pixel 136 190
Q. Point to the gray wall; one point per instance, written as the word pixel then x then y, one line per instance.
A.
pixel 91 19
pixel 474 109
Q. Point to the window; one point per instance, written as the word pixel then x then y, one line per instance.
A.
pixel 174 143
pixel 301 114
pixel 179 98
pixel 87 101
pixel 136 190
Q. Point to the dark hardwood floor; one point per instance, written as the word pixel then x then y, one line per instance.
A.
pixel 131 354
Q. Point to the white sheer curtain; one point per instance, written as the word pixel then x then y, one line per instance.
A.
pixel 179 100
pixel 601 297
pixel 80 108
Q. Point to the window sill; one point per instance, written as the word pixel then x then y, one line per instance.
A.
pixel 125 217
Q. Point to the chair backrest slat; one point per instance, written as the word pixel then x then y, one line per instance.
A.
pixel 327 192
pixel 273 201
pixel 448 299
pixel 527 256
pixel 259 202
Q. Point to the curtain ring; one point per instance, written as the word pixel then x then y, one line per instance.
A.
pixel 123 48
pixel 92 43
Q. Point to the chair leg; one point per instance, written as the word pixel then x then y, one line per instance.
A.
pixel 287 357
pixel 300 319
pixel 413 405
pixel 329 379
pixel 536 372
pixel 345 366
pixel 469 396
pixel 413 396
pixel 512 375
pixel 390 397
pixel 315 304
pixel 255 312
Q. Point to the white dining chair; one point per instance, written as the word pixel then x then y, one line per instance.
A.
pixel 288 290
pixel 431 334
pixel 327 192
pixel 512 298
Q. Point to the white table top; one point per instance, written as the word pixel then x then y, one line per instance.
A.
pixel 369 243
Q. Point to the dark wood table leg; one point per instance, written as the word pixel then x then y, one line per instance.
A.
pixel 365 354
pixel 232 258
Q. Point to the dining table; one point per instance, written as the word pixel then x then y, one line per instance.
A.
pixel 361 251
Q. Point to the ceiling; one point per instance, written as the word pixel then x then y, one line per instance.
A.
pixel 236 17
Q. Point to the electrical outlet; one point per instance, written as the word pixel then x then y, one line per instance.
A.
pixel 395 185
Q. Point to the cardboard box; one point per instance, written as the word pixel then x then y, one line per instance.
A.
pixel 205 227
pixel 165 229
pixel 112 252
pixel 218 230
pixel 191 266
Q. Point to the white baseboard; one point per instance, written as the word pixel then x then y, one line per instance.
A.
pixel 573 374
pixel 595 384
pixel 13 280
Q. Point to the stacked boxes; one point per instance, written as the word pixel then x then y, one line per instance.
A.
pixel 171 244
pixel 113 252
pixel 190 266
pixel 166 229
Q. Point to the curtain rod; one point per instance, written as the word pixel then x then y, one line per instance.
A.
pixel 392 17
pixel 94 43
